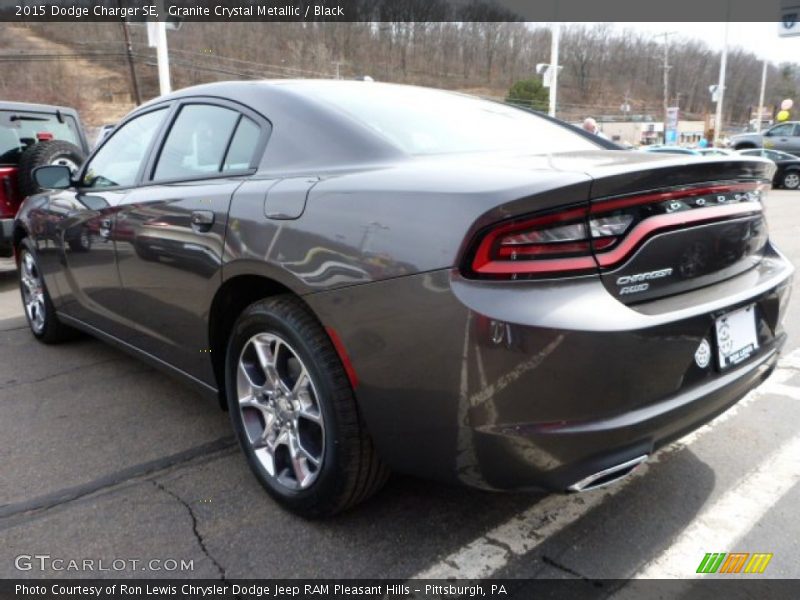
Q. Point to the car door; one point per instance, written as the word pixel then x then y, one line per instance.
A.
pixel 782 137
pixel 170 231
pixel 81 221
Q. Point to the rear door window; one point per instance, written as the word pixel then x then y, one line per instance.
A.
pixel 20 129
pixel 243 146
pixel 197 142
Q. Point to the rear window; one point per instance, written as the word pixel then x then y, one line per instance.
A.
pixel 19 129
pixel 425 121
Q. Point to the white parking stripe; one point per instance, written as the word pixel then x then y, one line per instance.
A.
pixel 785 390
pixel 526 530
pixel 727 520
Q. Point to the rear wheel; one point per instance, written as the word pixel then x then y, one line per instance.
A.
pixel 39 310
pixel 294 412
pixel 791 180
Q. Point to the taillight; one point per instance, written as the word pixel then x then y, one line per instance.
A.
pixel 8 198
pixel 545 244
pixel 576 241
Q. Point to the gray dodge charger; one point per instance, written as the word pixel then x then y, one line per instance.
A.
pixel 375 277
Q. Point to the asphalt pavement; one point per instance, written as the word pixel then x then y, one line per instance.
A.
pixel 104 458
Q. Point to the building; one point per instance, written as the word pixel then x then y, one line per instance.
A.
pixel 645 133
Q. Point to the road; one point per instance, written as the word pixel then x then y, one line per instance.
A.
pixel 105 458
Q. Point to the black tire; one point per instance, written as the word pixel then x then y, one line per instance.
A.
pixel 745 146
pixel 51 330
pixel 350 470
pixel 45 153
pixel 791 179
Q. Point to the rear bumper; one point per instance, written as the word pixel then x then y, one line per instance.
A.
pixel 6 237
pixel 540 384
pixel 577 450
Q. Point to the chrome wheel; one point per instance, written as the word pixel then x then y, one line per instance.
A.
pixel 791 181
pixel 32 292
pixel 280 411
pixel 65 162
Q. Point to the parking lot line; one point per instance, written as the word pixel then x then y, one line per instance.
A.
pixel 526 530
pixel 731 517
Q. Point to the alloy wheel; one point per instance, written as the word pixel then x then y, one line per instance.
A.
pixel 65 161
pixel 791 181
pixel 32 292
pixel 280 411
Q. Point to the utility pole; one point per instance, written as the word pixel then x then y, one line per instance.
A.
pixel 721 86
pixel 129 51
pixel 555 33
pixel 761 96
pixel 666 35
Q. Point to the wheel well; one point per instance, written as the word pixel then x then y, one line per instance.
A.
pixel 18 236
pixel 231 299
pixel 744 146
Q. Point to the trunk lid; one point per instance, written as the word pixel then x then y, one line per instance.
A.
pixel 665 226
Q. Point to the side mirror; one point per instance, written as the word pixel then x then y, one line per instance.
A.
pixel 53 177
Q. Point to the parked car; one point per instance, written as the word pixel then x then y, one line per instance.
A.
pixel 368 284
pixel 714 151
pixel 32 135
pixel 671 150
pixel 787 175
pixel 783 136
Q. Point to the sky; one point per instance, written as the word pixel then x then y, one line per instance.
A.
pixel 760 38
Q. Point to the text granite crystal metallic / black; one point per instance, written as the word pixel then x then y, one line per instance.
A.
pixel 375 277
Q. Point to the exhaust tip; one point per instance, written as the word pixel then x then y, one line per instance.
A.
pixel 607 476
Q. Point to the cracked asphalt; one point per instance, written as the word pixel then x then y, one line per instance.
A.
pixel 105 458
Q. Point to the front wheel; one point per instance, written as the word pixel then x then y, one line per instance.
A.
pixel 791 180
pixel 294 412
pixel 39 309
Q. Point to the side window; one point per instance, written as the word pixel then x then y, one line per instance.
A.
pixel 783 129
pixel 243 146
pixel 196 142
pixel 117 163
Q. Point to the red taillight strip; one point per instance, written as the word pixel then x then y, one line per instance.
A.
pixel 603 206
pixel 653 224
pixel 483 262
pixel 538 267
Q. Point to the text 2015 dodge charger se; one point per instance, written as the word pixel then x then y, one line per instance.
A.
pixel 379 277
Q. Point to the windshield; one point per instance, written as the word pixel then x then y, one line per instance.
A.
pixel 424 121
pixel 20 129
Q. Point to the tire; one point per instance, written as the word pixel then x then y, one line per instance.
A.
pixel 39 309
pixel 46 153
pixel 791 180
pixel 745 146
pixel 348 470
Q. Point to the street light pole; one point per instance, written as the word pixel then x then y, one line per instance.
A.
pixel 554 39
pixel 761 96
pixel 162 56
pixel 721 89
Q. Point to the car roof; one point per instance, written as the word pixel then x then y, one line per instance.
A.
pixel 32 107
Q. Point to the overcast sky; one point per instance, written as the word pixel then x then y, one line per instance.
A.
pixel 760 38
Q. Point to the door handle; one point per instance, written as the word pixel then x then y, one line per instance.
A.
pixel 202 220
